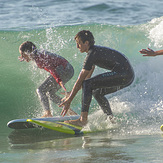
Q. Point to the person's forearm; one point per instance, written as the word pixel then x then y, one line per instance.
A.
pixel 89 74
pixel 75 89
pixel 159 52
pixel 82 76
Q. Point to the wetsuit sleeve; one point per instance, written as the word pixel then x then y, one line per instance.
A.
pixel 54 74
pixel 88 63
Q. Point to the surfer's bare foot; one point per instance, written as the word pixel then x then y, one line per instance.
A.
pixel 82 121
pixel 77 122
pixel 47 113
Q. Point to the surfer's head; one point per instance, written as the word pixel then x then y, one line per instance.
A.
pixel 85 35
pixel 26 49
pixel 84 40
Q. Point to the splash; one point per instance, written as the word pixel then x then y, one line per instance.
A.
pixel 156 32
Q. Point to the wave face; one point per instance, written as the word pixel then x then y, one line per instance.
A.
pixel 140 103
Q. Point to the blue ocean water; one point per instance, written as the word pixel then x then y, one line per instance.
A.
pixel 124 25
pixel 35 14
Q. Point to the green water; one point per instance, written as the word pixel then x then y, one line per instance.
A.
pixel 137 108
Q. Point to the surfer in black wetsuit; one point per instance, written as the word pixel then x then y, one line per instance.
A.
pixel 119 74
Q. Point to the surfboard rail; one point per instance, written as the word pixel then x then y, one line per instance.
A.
pixel 23 124
pixel 59 126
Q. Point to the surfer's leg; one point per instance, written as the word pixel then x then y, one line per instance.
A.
pixel 102 101
pixel 65 74
pixel 52 93
pixel 98 82
pixel 99 86
pixel 42 93
pixel 99 95
pixel 50 86
pixel 91 86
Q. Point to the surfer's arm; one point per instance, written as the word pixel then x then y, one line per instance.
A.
pixel 90 72
pixel 88 76
pixel 150 52
pixel 82 76
pixel 159 52
pixel 66 104
pixel 56 77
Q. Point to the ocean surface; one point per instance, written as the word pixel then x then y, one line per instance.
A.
pixel 125 25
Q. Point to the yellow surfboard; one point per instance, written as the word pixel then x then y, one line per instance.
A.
pixel 60 127
pixel 161 128
pixel 24 124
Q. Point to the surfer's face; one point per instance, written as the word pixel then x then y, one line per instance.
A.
pixel 83 47
pixel 24 56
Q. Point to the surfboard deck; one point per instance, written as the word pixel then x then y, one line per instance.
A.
pixel 60 127
pixel 24 124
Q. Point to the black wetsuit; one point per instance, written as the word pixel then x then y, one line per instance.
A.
pixel 119 74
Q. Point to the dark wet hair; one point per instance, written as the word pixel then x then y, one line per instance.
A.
pixel 85 35
pixel 27 47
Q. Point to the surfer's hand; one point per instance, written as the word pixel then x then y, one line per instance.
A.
pixel 62 85
pixel 147 52
pixel 66 106
pixel 66 95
